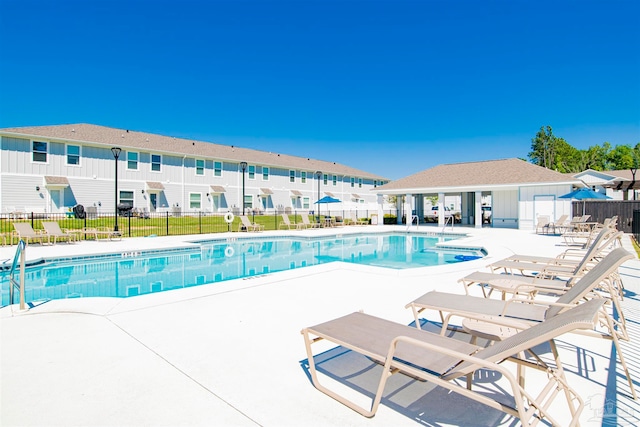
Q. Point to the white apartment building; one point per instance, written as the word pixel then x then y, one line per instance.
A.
pixel 53 168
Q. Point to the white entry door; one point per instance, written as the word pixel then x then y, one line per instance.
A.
pixel 544 206
pixel 56 204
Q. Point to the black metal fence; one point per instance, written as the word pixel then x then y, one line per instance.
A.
pixel 136 224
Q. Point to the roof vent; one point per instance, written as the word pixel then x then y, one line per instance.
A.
pixel 73 130
pixel 127 130
pixel 193 143
pixel 122 135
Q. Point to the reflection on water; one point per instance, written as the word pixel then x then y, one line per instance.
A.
pixel 137 273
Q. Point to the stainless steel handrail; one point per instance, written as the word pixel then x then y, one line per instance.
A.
pixel 19 257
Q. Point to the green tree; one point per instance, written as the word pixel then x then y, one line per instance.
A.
pixel 543 148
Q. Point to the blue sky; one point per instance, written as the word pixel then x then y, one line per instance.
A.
pixel 389 87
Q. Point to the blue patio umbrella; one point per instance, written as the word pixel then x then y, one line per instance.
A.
pixel 327 200
pixel 584 194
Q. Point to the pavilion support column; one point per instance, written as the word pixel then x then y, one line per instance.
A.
pixel 478 209
pixel 380 199
pixel 399 209
pixel 408 199
pixel 441 209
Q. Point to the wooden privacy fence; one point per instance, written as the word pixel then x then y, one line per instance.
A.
pixel 601 209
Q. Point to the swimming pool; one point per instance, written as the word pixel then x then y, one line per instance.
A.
pixel 136 273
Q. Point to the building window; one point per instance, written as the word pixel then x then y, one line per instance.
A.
pixel 359 182
pixel 199 167
pixel 305 203
pixel 132 160
pixel 303 177
pixel 248 201
pixel 265 173
pixel 195 200
pixel 335 180
pixel 126 198
pixel 375 183
pixel 39 152
pixel 252 171
pixel 353 181
pixel 292 176
pixel 217 168
pixel 73 154
pixel 156 161
pixel 325 179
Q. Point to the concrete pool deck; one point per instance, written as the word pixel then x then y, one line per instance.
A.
pixel 232 354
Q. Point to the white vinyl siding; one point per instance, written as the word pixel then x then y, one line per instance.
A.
pixel 73 155
pixel 39 151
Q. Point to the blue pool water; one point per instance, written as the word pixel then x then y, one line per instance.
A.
pixel 135 273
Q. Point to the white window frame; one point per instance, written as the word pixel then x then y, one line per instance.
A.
pixel 200 170
pixel 132 199
pixel 249 204
pixel 352 180
pixel 305 203
pixel 136 161
pixel 79 155
pixel 217 171
pixel 192 202
pixel 151 163
pixel 303 177
pixel 359 182
pixel 335 180
pixel 325 179
pixel 251 172
pixel 45 152
pixel 265 173
pixel 292 176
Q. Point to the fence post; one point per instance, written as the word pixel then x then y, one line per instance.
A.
pixel 635 225
pixel 200 222
pixel 167 223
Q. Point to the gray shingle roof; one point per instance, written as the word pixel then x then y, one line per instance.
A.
pixel 486 174
pixel 128 139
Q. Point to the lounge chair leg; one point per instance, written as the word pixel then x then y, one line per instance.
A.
pixel 616 343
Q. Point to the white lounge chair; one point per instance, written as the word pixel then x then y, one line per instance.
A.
pixel 247 225
pixel 441 360
pixel 52 229
pixel 517 313
pixel 286 223
pixel 25 232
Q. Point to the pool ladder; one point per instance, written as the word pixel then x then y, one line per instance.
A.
pixel 410 223
pixel 448 219
pixel 13 283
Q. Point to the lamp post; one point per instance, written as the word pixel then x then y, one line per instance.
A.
pixel 243 166
pixel 318 176
pixel 116 153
